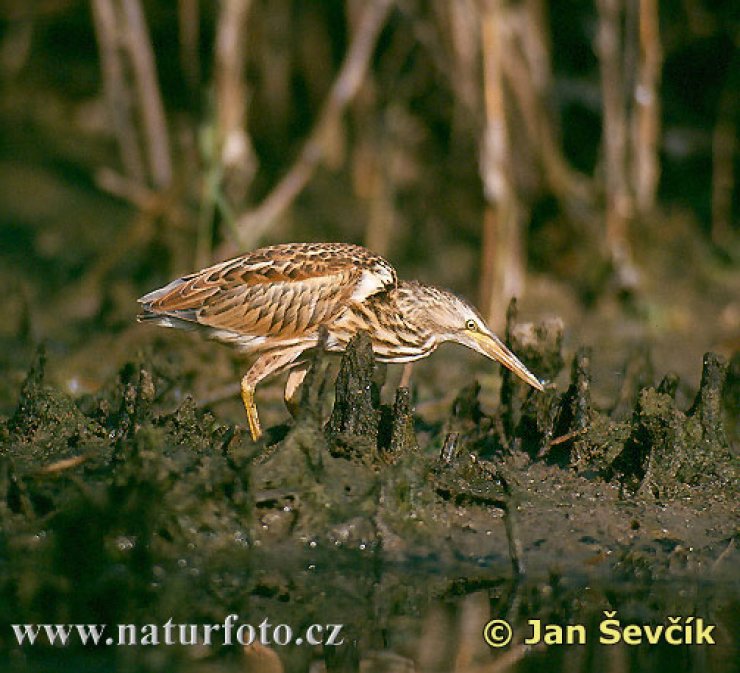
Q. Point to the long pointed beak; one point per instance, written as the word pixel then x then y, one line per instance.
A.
pixel 492 347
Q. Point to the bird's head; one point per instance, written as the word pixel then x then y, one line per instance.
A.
pixel 448 317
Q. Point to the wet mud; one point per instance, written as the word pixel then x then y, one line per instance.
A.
pixel 117 505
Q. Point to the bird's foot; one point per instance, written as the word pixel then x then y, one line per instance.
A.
pixel 252 417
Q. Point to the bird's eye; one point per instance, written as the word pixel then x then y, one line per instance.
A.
pixel 470 324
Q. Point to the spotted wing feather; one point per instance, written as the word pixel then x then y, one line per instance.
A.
pixel 283 291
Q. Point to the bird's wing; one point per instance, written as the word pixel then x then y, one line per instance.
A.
pixel 285 289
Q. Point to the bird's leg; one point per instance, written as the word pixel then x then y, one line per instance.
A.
pixel 265 365
pixel 295 378
pixel 406 375
pixel 251 408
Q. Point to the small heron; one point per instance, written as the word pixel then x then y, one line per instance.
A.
pixel 271 302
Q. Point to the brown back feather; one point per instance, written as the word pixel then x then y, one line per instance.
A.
pixel 288 289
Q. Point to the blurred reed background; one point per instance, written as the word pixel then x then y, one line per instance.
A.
pixel 485 138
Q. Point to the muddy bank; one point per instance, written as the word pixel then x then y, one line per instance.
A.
pixel 117 507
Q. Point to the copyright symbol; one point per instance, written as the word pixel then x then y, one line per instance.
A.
pixel 497 633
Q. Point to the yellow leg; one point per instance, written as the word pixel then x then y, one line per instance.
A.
pixel 251 408
pixel 265 365
pixel 406 375
pixel 295 378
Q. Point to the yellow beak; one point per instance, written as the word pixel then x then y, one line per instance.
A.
pixel 492 347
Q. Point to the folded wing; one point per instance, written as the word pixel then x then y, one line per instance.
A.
pixel 283 291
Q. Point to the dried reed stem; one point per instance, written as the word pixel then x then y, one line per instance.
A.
pixel 139 47
pixel 464 19
pixel 116 89
pixel 619 205
pixel 235 147
pixel 502 265
pixel 188 21
pixel 646 122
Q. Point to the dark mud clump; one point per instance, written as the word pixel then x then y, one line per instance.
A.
pixel 96 509
pixel 670 451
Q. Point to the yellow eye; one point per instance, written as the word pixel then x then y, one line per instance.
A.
pixel 470 324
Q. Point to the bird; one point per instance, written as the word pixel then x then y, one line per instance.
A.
pixel 271 303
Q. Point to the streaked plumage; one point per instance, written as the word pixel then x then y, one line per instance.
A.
pixel 271 302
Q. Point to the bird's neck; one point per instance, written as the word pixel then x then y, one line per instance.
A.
pixel 395 336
